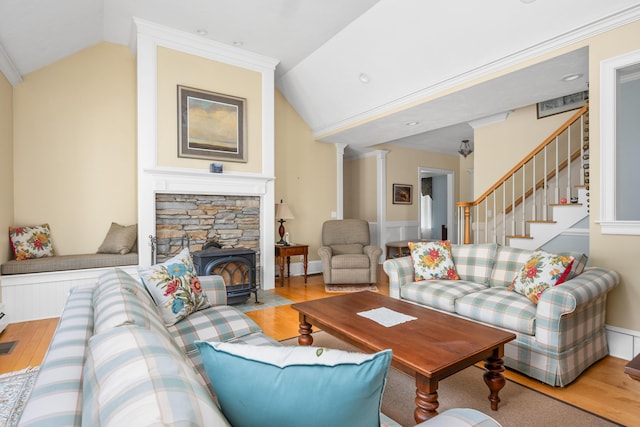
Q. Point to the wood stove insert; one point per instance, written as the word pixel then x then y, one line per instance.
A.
pixel 237 266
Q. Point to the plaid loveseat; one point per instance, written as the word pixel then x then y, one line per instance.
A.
pixel 557 339
pixel 112 358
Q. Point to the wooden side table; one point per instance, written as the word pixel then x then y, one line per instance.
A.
pixel 287 252
pixel 633 368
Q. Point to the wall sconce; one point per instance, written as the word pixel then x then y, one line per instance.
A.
pixel 283 212
pixel 465 148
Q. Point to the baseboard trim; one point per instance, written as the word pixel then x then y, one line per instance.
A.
pixel 623 343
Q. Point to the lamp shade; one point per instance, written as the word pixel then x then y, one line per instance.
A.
pixel 283 211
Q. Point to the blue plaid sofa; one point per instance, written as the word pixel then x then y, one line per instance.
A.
pixel 113 361
pixel 557 339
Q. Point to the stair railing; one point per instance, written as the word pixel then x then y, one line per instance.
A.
pixel 550 173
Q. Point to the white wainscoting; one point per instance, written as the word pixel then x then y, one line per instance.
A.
pixel 38 296
pixel 401 230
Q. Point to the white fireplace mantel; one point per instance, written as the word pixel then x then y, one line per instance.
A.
pixel 192 181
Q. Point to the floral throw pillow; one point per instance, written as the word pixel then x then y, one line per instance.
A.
pixel 175 288
pixel 31 242
pixel 541 272
pixel 433 260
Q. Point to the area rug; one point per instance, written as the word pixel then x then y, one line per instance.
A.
pixel 519 406
pixel 350 288
pixel 15 388
pixel 266 299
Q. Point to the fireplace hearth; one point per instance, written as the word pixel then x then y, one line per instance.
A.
pixel 237 266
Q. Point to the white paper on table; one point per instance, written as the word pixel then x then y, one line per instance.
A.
pixel 386 317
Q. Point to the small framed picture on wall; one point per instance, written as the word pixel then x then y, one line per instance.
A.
pixel 402 194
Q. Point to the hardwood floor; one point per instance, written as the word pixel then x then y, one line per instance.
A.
pixel 603 389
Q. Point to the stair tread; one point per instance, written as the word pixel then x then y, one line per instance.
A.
pixel 545 221
pixel 519 237
pixel 565 204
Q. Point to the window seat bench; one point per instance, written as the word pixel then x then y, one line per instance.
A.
pixel 38 288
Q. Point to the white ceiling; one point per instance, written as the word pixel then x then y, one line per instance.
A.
pixel 410 49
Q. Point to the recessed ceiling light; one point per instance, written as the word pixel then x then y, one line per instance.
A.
pixel 571 77
pixel 412 123
pixel 202 32
pixel 364 78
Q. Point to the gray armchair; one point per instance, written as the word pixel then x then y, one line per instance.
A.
pixel 346 254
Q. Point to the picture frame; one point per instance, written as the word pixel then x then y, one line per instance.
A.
pixel 562 104
pixel 211 125
pixel 402 194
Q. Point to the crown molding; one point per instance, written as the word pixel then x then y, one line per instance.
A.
pixel 8 68
pixel 584 32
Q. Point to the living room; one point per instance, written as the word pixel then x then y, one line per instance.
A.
pixel 69 155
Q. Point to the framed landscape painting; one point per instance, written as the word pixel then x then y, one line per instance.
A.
pixel 402 194
pixel 211 126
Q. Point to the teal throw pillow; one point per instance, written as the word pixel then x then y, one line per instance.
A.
pixel 268 385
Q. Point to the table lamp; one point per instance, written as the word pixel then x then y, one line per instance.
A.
pixel 282 212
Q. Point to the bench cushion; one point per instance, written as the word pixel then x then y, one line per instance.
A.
pixel 68 262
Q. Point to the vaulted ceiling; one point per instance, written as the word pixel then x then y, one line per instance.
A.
pixel 343 63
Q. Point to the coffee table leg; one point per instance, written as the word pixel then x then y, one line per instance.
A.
pixel 305 337
pixel 426 398
pixel 494 378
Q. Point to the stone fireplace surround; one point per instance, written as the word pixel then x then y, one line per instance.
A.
pixel 250 195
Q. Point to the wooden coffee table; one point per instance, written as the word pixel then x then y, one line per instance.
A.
pixel 431 348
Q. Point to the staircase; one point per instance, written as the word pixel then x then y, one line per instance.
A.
pixel 532 203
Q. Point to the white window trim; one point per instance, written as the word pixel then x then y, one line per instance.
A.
pixel 608 82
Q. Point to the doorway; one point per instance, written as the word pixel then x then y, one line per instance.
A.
pixel 436 204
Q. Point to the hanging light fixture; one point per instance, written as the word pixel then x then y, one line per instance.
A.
pixel 465 148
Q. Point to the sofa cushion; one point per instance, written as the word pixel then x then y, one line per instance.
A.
pixel 440 294
pixel 350 261
pixel 134 377
pixel 541 272
pixel 120 239
pixel 508 262
pixel 579 263
pixel 474 262
pixel 501 308
pixel 118 279
pixel 346 388
pixel 218 323
pixel 121 300
pixel 31 242
pixel 433 260
pixel 175 288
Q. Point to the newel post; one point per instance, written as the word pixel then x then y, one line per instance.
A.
pixel 467 225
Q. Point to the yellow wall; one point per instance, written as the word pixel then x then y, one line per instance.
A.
pixel 305 176
pixel 402 168
pixel 75 147
pixel 6 165
pixel 177 68
pixel 360 188
pixel 499 147
pixel 620 253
